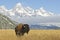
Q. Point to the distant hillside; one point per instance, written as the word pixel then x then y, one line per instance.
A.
pixel 6 23
pixel 44 27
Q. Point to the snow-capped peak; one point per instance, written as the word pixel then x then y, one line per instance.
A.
pixel 20 10
pixel 3 8
pixel 43 12
pixel 18 4
pixel 42 9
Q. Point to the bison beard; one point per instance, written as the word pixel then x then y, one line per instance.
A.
pixel 20 30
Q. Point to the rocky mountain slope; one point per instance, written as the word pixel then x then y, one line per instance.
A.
pixel 6 23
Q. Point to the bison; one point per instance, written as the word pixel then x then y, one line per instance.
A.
pixel 20 29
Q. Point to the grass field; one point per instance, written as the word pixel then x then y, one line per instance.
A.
pixel 9 34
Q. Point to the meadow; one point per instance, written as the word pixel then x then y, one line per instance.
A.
pixel 9 34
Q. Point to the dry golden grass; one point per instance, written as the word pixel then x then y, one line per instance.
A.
pixel 33 35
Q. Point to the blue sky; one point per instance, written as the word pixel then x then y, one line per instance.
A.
pixel 49 5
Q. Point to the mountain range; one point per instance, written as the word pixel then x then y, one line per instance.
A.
pixel 19 10
pixel 28 15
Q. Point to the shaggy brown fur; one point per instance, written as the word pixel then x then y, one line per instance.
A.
pixel 19 26
pixel 20 29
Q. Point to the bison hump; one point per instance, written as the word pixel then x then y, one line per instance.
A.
pixel 19 26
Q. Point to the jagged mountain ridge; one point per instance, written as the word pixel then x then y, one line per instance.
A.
pixel 23 14
pixel 20 10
